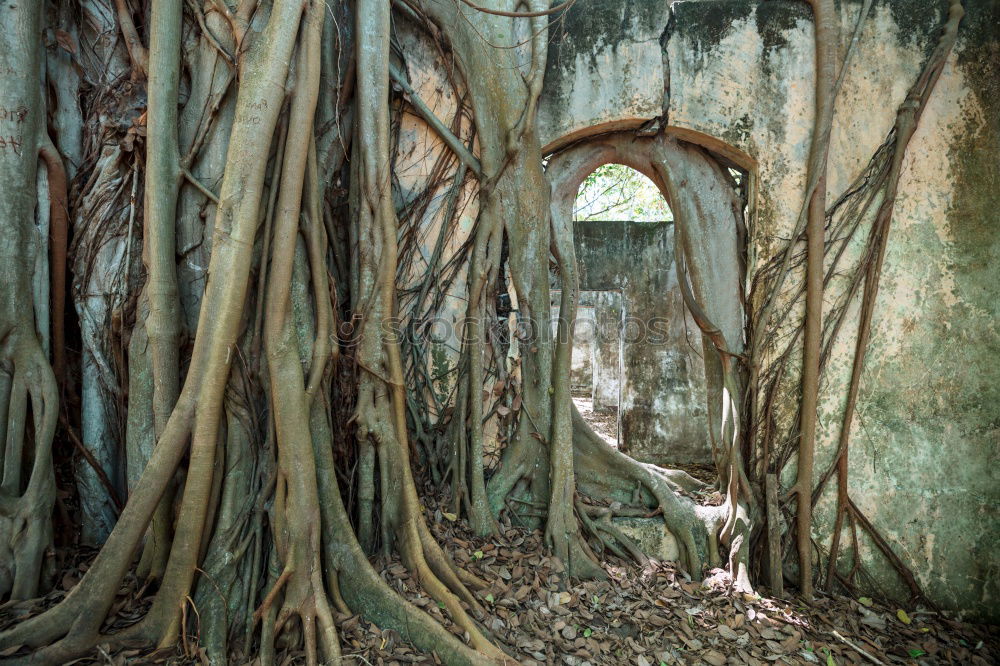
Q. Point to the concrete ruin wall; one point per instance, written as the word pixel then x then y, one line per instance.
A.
pixel 606 350
pixel 740 72
pixel 581 368
pixel 663 416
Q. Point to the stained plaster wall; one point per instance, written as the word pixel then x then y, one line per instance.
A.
pixel 927 430
pixel 418 151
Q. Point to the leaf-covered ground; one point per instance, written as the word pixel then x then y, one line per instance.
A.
pixel 658 615
pixel 643 617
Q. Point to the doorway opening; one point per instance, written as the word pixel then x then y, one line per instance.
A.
pixel 640 378
pixel 660 221
pixel 596 366
pixel 630 205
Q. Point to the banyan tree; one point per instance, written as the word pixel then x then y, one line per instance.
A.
pixel 276 272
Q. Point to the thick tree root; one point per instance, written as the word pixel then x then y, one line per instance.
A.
pixel 26 517
pixel 701 531
pixel 604 472
pixel 27 383
pixel 358 585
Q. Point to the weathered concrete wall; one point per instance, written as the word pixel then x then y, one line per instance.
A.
pixel 581 372
pixel 741 71
pixel 662 412
pixel 607 350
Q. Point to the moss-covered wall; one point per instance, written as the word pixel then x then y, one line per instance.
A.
pixel 927 434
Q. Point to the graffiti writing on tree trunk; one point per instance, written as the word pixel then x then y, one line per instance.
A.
pixel 12 116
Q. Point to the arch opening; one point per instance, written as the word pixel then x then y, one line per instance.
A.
pixel 616 192
pixel 634 338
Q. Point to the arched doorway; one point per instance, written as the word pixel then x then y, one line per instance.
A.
pixel 671 399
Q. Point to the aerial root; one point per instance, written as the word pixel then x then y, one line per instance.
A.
pixel 25 518
pixel 568 545
pixel 319 634
pixel 72 627
pixel 457 579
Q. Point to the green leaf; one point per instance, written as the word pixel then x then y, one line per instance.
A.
pixel 587 632
pixel 903 617
pixel 478 555
pixel 489 598
pixel 865 601
pixel 829 657
pixel 440 604
pixel 915 652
